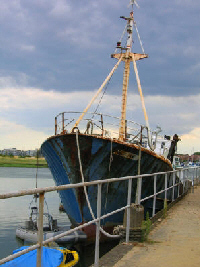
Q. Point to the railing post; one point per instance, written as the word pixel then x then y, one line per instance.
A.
pixel 185 177
pixel 193 181
pixel 40 229
pixel 56 125
pixel 139 189
pixel 101 125
pixel 154 197
pixel 63 122
pixel 173 177
pixel 178 183
pixel 165 186
pixel 182 175
pixel 128 210
pixel 96 262
pixel 196 175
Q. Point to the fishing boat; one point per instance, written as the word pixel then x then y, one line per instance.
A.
pixel 94 146
pixel 51 257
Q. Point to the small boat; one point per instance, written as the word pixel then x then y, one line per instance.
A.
pixel 50 229
pixel 51 257
pixel 176 163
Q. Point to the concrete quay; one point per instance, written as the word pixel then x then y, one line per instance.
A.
pixel 173 242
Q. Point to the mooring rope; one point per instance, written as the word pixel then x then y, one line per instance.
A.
pixel 85 191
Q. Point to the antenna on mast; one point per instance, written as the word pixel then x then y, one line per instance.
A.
pixel 132 2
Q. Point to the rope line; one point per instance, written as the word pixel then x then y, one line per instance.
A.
pixel 85 191
pixel 139 37
pixel 121 36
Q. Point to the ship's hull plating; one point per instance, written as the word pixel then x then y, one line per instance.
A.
pixel 101 159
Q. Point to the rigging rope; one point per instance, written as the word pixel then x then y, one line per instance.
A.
pixel 121 37
pixel 99 90
pixel 139 37
pixel 152 146
pixel 85 191
pixel 101 98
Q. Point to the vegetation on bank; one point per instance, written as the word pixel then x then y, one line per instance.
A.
pixel 23 162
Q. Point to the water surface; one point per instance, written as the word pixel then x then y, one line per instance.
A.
pixel 14 211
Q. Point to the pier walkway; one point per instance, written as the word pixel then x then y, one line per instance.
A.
pixel 175 241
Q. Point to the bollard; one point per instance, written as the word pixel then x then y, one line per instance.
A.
pixel 136 216
pixel 136 219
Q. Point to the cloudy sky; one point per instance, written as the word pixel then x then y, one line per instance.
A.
pixel 56 53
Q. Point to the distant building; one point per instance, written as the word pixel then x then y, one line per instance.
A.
pixel 195 158
pixel 184 157
pixel 187 158
pixel 17 152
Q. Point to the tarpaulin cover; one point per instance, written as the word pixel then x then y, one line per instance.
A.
pixel 50 258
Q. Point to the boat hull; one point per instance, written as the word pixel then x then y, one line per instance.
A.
pixel 101 158
pixel 32 236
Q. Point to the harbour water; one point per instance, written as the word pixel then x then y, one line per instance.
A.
pixel 14 211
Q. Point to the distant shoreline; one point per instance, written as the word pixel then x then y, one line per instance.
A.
pixel 26 162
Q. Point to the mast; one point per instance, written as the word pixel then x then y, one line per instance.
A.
pixel 127 57
pixel 122 129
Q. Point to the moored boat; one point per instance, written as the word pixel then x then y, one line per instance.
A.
pixel 51 257
pixel 92 146
pixel 29 232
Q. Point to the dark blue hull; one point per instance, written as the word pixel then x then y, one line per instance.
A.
pixel 101 159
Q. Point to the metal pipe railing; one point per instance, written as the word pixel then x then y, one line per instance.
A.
pixel 184 173
pixel 103 119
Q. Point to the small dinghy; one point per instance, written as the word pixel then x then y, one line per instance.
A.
pixel 50 258
pixel 50 228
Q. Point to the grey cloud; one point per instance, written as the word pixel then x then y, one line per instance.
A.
pixel 54 42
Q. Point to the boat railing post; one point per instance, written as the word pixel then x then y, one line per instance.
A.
pixel 40 229
pixel 154 195
pixel 128 210
pixel 165 186
pixel 173 178
pixel 63 122
pixel 96 262
pixel 101 125
pixel 56 126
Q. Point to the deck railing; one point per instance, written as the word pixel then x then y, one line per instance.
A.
pixel 192 173
pixel 101 124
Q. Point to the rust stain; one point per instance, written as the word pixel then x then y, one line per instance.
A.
pixel 148 151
